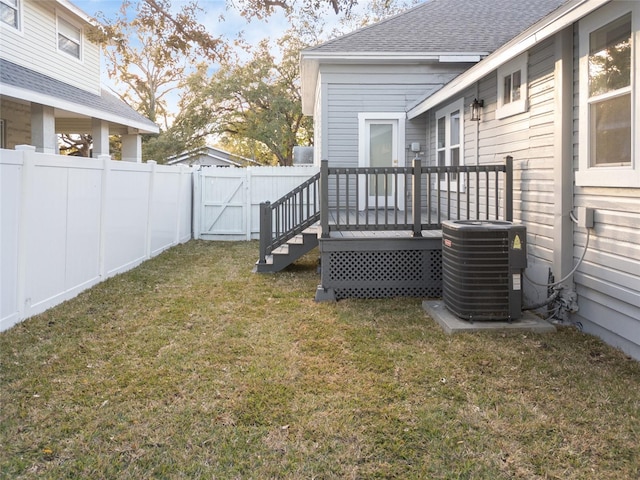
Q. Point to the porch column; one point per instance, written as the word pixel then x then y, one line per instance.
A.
pixel 563 156
pixel 43 129
pixel 100 135
pixel 131 148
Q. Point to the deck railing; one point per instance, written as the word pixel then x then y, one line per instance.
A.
pixel 414 198
pixel 289 215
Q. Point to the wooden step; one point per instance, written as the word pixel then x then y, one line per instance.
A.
pixel 292 250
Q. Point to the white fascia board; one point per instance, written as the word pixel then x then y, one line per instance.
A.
pixel 461 58
pixel 309 71
pixel 70 7
pixel 387 56
pixel 35 97
pixel 548 26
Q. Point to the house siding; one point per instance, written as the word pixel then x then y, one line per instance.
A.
pixel 35 47
pixel 529 138
pixel 353 89
pixel 607 281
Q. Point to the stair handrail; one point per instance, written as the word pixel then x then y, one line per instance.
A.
pixel 288 216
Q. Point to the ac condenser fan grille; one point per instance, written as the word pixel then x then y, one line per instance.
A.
pixel 477 269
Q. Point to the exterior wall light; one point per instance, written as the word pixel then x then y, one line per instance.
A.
pixel 476 107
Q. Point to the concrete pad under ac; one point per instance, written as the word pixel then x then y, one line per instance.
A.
pixel 451 324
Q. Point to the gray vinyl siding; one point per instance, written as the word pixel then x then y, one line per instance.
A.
pixel 353 89
pixel 607 283
pixel 529 138
pixel 608 280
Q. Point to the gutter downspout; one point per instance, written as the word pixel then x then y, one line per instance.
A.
pixel 563 163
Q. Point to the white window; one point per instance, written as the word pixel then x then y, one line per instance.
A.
pixel 69 38
pixel 449 142
pixel 512 87
pixel 609 110
pixel 10 13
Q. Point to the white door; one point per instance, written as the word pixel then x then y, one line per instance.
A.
pixel 380 148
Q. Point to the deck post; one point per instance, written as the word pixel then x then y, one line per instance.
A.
pixel 266 222
pixel 324 199
pixel 508 187
pixel 416 196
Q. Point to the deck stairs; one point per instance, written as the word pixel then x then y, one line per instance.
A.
pixel 289 227
pixel 289 252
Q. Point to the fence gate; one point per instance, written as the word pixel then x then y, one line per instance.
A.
pixel 227 200
pixel 222 203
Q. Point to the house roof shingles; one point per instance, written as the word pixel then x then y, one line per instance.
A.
pixel 455 26
pixel 18 76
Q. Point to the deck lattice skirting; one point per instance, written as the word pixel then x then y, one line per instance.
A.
pixel 379 267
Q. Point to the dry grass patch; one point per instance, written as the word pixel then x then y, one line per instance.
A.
pixel 190 366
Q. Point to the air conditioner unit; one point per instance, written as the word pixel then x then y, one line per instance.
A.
pixel 482 264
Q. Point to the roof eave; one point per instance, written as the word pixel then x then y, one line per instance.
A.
pixel 70 7
pixel 91 112
pixel 541 30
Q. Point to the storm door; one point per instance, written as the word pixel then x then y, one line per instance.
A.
pixel 381 149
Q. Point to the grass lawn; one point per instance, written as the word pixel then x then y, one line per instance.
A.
pixel 190 366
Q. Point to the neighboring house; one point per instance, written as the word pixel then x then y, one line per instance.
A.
pixel 210 156
pixel 557 84
pixel 50 82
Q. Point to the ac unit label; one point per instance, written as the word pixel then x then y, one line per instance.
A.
pixel 517 243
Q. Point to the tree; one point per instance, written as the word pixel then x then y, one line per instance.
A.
pixel 78 145
pixel 148 56
pixel 248 148
pixel 150 50
pixel 264 8
pixel 254 107
pixel 256 101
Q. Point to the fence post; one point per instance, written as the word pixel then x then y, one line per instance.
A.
pixel 26 209
pixel 181 168
pixel 104 191
pixel 324 199
pixel 248 188
pixel 196 208
pixel 416 196
pixel 508 198
pixel 149 232
pixel 266 224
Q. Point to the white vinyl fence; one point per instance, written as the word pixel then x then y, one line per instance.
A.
pixel 67 223
pixel 227 200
